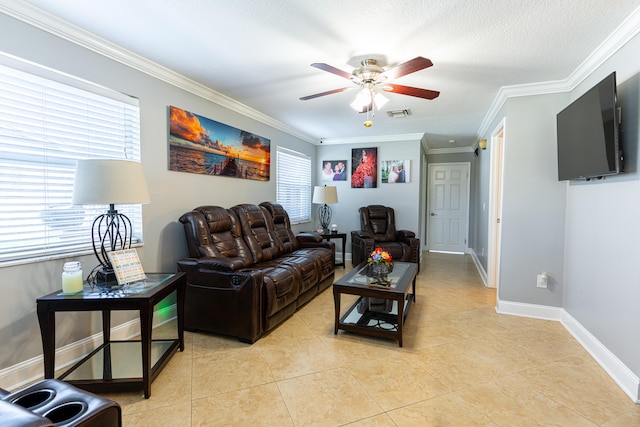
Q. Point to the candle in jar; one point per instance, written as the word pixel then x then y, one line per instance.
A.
pixel 71 277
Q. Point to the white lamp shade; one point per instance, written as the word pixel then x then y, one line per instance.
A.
pixel 325 194
pixel 109 181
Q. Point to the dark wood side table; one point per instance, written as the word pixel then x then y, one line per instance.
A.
pixel 338 235
pixel 116 365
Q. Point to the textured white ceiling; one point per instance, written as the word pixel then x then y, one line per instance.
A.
pixel 259 52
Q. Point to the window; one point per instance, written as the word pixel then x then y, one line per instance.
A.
pixel 293 184
pixel 46 125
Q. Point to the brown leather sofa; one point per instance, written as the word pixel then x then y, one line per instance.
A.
pixel 55 403
pixel 247 271
pixel 378 229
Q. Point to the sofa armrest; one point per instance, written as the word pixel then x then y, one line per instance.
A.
pixel 405 235
pixel 361 234
pixel 362 245
pixel 314 240
pixel 225 302
pixel 309 237
pixel 209 263
pixel 409 238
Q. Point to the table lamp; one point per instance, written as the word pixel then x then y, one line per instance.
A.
pixel 109 182
pixel 324 195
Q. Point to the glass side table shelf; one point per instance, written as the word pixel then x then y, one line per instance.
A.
pixel 116 365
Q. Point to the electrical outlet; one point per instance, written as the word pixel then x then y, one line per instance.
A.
pixel 542 280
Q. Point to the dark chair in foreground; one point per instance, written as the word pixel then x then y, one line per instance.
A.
pixel 378 229
pixel 55 403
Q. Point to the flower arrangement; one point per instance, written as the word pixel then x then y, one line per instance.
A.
pixel 379 256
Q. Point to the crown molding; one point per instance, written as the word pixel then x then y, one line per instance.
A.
pixel 628 29
pixel 52 24
pixel 373 139
pixel 45 21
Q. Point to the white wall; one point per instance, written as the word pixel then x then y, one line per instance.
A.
pixel 172 193
pixel 404 198
pixel 533 202
pixel 602 268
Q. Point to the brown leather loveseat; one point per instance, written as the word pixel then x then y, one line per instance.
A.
pixel 247 271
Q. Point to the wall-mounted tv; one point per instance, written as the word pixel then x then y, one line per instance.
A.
pixel 589 134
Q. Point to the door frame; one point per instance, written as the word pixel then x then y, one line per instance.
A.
pixel 428 217
pixel 498 142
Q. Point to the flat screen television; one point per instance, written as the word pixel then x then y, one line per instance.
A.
pixel 589 134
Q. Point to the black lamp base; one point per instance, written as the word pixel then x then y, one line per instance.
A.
pixel 324 214
pixel 106 277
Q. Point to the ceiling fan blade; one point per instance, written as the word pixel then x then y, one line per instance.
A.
pixel 329 92
pixel 411 66
pixel 411 91
pixel 332 69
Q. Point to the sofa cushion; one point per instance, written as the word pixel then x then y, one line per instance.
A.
pixel 380 221
pixel 281 288
pixel 262 244
pixel 323 258
pixel 214 232
pixel 282 226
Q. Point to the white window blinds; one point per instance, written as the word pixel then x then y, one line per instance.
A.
pixel 45 127
pixel 293 184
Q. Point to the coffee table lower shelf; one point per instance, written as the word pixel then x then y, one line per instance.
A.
pixel 383 324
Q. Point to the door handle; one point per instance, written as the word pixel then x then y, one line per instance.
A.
pixel 433 214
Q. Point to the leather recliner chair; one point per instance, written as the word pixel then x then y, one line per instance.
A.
pixel 378 229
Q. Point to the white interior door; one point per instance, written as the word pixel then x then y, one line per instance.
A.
pixel 448 215
pixel 495 200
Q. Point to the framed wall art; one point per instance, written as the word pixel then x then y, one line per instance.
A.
pixel 395 171
pixel 334 170
pixel 364 167
pixel 204 146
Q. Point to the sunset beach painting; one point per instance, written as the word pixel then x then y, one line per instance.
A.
pixel 203 146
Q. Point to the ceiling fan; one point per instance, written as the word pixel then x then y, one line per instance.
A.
pixel 371 76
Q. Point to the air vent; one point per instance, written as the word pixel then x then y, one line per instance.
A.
pixel 399 113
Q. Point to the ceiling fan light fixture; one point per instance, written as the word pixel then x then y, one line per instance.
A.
pixel 363 100
pixel 366 97
pixel 380 100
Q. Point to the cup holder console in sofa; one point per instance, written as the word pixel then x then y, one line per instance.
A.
pixel 55 403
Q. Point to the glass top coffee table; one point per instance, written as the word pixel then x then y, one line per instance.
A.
pixel 380 310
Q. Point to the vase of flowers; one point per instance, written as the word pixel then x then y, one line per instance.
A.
pixel 380 264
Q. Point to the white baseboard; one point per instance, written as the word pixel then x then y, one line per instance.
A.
pixel 529 310
pixel 618 371
pixel 479 267
pixel 33 369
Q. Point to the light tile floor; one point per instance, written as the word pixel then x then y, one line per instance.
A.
pixel 461 365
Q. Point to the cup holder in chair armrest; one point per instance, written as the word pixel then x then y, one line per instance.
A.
pixel 66 412
pixel 35 398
